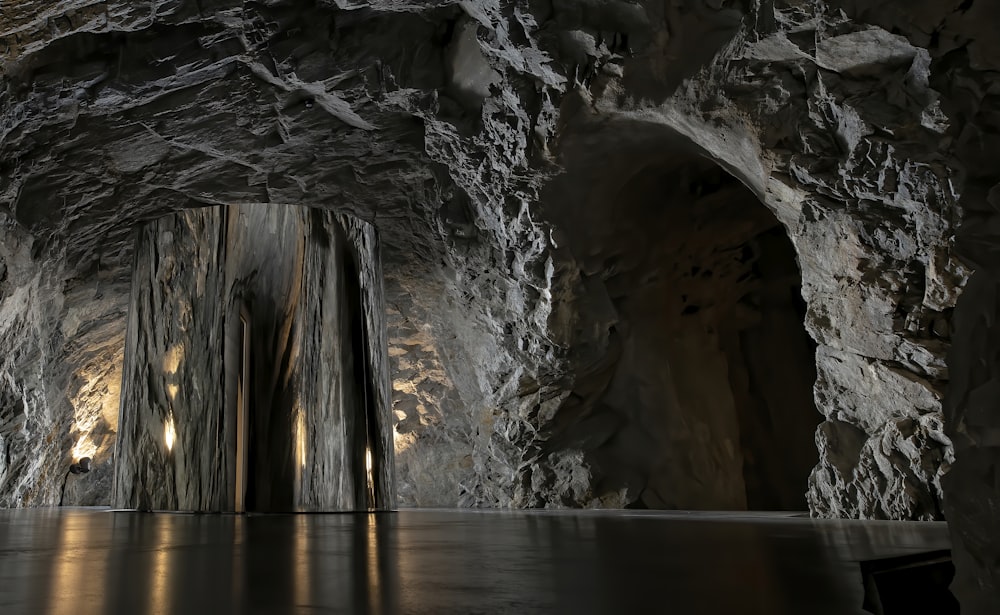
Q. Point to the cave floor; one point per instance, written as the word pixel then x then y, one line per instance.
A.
pixel 88 561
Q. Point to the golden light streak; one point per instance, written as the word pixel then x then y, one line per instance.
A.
pixel 303 569
pixel 374 576
pixel 84 448
pixel 169 432
pixel 172 359
pixel 402 441
pixel 159 596
pixel 300 436
pixel 371 479
pixel 74 571
pixel 300 453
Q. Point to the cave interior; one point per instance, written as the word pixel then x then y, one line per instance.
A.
pixel 501 306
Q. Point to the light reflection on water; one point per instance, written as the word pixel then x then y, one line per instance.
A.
pixel 77 565
pixel 83 562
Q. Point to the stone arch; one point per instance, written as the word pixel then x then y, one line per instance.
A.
pixel 674 402
pixel 878 310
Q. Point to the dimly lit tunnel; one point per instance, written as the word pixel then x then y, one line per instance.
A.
pixel 376 306
pixel 699 396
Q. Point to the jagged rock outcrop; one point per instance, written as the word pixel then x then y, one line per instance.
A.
pixel 866 128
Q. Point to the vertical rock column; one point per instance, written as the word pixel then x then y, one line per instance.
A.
pixel 173 370
pixel 342 419
pixel 307 284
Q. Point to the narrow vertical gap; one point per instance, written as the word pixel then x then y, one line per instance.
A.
pixel 366 405
pixel 128 359
pixel 242 415
pixel 367 451
pixel 372 448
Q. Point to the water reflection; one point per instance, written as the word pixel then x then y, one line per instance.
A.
pixel 84 562
pixel 303 585
pixel 77 564
pixel 177 563
pixel 863 540
pixel 160 570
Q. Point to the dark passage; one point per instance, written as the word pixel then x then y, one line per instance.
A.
pixel 701 397
pixel 771 363
pixel 271 469
pixel 909 584
pixel 367 448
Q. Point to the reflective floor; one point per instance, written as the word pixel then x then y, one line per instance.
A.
pixel 84 561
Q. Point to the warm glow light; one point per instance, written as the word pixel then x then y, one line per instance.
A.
pixel 94 402
pixel 172 359
pixel 84 448
pixel 160 581
pixel 373 571
pixel 402 441
pixel 70 580
pixel 303 568
pixel 169 434
pixel 300 436
pixel 172 390
pixel 371 479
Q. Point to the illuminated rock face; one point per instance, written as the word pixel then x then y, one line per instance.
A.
pixel 61 347
pixel 867 128
pixel 277 306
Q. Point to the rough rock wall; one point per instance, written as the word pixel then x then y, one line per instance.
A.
pixel 866 198
pixel 168 105
pixel 363 301
pixel 860 124
pixel 857 181
pixel 61 339
pixel 855 237
pixel 168 416
pixel 307 288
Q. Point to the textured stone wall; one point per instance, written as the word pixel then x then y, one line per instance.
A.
pixel 859 185
pixel 868 317
pixel 867 128
pixel 295 277
pixel 61 342
pixel 223 104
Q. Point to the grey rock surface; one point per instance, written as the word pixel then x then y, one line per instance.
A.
pixel 867 128
pixel 218 288
pixel 62 348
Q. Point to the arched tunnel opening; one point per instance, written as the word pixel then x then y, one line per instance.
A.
pixel 696 386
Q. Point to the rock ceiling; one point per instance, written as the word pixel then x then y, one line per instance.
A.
pixel 473 134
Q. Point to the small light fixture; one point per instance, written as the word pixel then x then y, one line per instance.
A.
pixel 80 467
